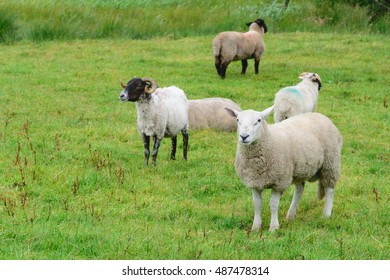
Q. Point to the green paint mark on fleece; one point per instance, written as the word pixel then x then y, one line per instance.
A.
pixel 293 90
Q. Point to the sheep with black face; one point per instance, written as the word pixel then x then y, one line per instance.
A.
pixel 161 112
pixel 231 46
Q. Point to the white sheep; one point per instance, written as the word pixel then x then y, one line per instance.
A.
pixel 303 148
pixel 210 113
pixel 231 46
pixel 298 99
pixel 161 112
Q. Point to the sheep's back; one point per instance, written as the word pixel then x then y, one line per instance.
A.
pixel 173 109
pixel 211 113
pixel 234 45
pixel 288 102
pixel 312 140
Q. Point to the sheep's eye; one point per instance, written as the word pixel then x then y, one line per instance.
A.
pixel 238 120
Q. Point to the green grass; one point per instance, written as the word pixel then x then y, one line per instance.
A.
pixel 79 19
pixel 76 187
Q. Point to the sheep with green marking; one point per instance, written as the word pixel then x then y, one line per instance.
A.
pixel 298 99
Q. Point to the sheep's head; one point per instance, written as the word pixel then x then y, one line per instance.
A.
pixel 136 88
pixel 249 124
pixel 260 23
pixel 312 77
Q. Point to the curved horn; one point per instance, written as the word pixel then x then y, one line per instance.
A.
pixel 151 85
pixel 123 85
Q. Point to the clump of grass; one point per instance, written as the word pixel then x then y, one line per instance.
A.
pixel 7 27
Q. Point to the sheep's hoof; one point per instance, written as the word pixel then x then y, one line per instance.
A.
pixel 273 228
pixel 290 217
pixel 256 228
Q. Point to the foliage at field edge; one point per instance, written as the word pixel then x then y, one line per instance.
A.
pixel 80 19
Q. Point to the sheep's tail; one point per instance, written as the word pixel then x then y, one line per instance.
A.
pixel 284 108
pixel 217 49
pixel 320 191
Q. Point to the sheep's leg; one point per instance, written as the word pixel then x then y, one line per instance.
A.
pixel 218 65
pixel 244 64
pixel 295 201
pixel 156 145
pixel 257 62
pixel 328 201
pixel 222 71
pixel 256 196
pixel 274 206
pixel 173 148
pixel 185 143
pixel 146 140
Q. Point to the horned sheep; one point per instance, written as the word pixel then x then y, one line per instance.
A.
pixel 298 99
pixel 231 46
pixel 303 148
pixel 161 112
pixel 210 113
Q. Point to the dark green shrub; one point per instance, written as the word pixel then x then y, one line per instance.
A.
pixel 7 27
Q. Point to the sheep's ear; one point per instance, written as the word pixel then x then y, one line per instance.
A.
pixel 316 77
pixel 249 23
pixel 267 112
pixel 302 75
pixel 262 24
pixel 232 112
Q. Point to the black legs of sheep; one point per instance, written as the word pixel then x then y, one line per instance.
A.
pixel 156 145
pixel 257 62
pixel 146 140
pixel 174 144
pixel 173 147
pixel 244 64
pixel 221 67
pixel 185 144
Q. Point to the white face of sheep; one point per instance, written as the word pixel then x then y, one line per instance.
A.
pixel 249 124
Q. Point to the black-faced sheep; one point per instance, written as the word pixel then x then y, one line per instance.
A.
pixel 298 99
pixel 306 147
pixel 210 113
pixel 161 112
pixel 231 46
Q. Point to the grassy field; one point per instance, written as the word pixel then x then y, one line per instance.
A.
pixel 72 180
